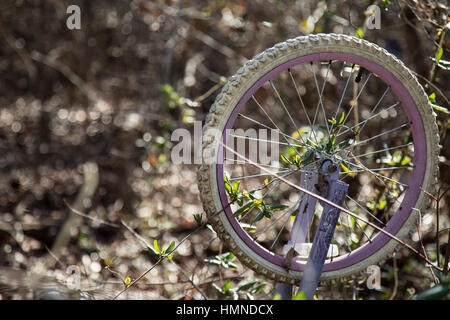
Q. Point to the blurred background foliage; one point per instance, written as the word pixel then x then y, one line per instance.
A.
pixel 85 123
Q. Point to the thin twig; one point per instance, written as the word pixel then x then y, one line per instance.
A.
pixel 209 92
pixel 191 281
pixel 419 227
pixel 96 219
pixel 150 284
pixel 394 291
pixel 68 73
pixel 139 278
pixel 438 198
pixel 162 257
pixel 142 239
pixel 436 88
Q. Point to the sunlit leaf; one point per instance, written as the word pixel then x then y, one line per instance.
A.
pixel 299 296
pixel 360 33
pixel 439 54
pixel 170 248
pixel 236 187
pixel 440 108
pixel 344 167
pixel 432 97
pixel 226 287
pixel 258 288
pixel 342 117
pixel 277 207
pixel 285 160
pixel 248 227
pixel 244 208
pixel 156 246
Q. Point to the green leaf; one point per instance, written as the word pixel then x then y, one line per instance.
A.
pixel 297 160
pixel 439 108
pixel 432 97
pixel 330 143
pixel 439 54
pixel 406 160
pixel 210 228
pixel 267 214
pixel 226 287
pixel 246 286
pixel 244 208
pixel 285 160
pixel 217 288
pixel 170 248
pixel 344 167
pixel 343 144
pixel 213 261
pixel 277 207
pixel 360 33
pixel 258 288
pixel 248 227
pixel 381 204
pixel 308 159
pixel 299 296
pixel 198 218
pixel 226 256
pixel 153 252
pixel 156 247
pixel 258 217
pixel 227 185
pixel 437 292
pixel 236 187
pixel 342 117
pixel 332 121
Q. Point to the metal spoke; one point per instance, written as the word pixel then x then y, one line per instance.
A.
pixel 376 106
pixel 269 190
pixel 258 175
pixel 377 169
pixel 320 93
pixel 378 175
pixel 364 209
pixel 287 111
pixel 356 99
pixel 380 150
pixel 357 223
pixel 375 137
pixel 345 233
pixel 259 105
pixel 267 127
pixel 342 96
pixel 264 140
pixel 260 164
pixel 302 104
pixel 281 230
pixel 259 233
pixel 369 118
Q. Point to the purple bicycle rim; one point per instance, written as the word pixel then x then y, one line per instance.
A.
pixel 417 176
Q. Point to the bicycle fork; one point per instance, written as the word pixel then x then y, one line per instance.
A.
pixel 325 181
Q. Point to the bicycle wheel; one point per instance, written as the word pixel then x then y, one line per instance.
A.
pixel 327 96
